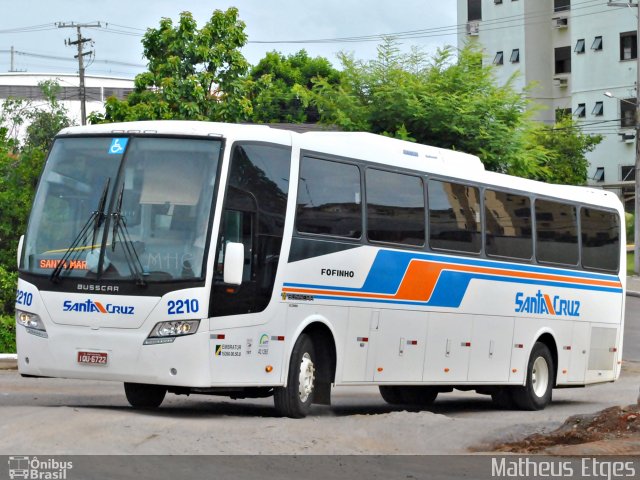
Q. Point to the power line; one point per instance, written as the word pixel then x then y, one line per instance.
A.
pixel 512 21
pixel 67 59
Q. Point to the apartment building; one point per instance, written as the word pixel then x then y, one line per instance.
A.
pixel 570 52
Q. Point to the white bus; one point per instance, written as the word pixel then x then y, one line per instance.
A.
pixel 249 261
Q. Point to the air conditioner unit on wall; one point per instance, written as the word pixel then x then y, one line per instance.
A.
pixel 473 28
pixel 561 22
pixel 561 82
pixel 628 137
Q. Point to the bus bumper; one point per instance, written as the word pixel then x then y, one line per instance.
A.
pixel 184 362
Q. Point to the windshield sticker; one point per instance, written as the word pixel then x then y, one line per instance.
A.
pixel 50 264
pixel 117 146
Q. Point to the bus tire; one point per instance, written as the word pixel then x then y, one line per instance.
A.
pixel 141 395
pixel 536 393
pixel 295 399
pixel 391 394
pixel 502 398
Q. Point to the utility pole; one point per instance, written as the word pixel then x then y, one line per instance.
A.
pixel 80 56
pixel 636 224
pixel 12 69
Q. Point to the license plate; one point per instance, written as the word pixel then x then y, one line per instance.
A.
pixel 93 358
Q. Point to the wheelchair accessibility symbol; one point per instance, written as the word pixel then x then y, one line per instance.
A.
pixel 117 146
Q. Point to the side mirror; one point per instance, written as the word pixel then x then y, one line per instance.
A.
pixel 19 252
pixel 233 263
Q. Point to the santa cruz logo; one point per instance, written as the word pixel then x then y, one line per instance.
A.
pixel 544 304
pixel 90 306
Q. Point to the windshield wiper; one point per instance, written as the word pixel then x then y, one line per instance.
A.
pixel 121 232
pixel 96 218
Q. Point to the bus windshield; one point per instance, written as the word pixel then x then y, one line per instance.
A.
pixel 123 208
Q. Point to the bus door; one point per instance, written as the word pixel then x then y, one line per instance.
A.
pixel 254 215
pixel 238 226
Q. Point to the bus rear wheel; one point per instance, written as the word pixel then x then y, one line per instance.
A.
pixel 141 395
pixel 502 398
pixel 536 393
pixel 409 395
pixel 296 398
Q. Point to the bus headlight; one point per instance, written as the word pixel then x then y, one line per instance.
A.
pixel 166 332
pixel 32 322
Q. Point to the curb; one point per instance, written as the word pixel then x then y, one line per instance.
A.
pixel 8 361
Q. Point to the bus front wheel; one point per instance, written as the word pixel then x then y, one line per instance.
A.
pixel 295 399
pixel 141 395
pixel 536 393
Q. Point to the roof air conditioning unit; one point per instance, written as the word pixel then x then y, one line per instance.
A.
pixel 561 82
pixel 561 22
pixel 473 28
pixel 628 137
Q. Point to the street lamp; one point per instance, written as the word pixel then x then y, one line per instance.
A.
pixel 636 210
pixel 636 223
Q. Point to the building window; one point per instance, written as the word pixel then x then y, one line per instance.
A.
pixel 628 112
pixel 599 176
pixel 498 59
pixel 598 109
pixel 561 5
pixel 579 46
pixel 628 46
pixel 474 10
pixel 628 173
pixel 580 111
pixel 597 44
pixel 497 2
pixel 515 55
pixel 562 57
pixel 562 113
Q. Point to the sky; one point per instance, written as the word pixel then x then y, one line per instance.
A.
pixel 29 26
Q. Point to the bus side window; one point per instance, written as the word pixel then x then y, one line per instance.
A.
pixel 556 233
pixel 600 239
pixel 508 231
pixel 454 217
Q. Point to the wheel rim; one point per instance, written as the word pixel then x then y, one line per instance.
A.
pixel 540 377
pixel 305 384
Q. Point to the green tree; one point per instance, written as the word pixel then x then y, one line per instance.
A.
pixel 567 145
pixel 276 82
pixel 445 101
pixel 45 122
pixel 449 101
pixel 194 74
pixel 20 165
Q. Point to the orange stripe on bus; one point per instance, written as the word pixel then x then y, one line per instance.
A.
pixel 100 307
pixel 547 300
